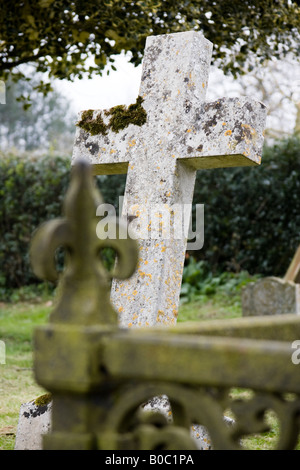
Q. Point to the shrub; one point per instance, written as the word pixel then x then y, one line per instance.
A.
pixel 198 282
pixel 252 214
pixel 31 192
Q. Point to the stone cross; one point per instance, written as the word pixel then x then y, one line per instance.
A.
pixel 178 134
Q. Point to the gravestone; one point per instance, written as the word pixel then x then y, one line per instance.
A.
pixel 161 142
pixel 272 295
pixel 168 134
pixel 34 422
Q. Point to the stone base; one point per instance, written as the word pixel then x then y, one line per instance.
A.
pixel 34 421
pixel 271 296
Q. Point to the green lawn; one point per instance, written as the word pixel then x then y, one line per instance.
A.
pixel 17 384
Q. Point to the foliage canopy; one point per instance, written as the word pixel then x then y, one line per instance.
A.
pixel 61 37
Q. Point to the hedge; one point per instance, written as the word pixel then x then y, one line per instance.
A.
pixel 252 215
pixel 32 192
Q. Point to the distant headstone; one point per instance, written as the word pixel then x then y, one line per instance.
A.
pixel 2 92
pixel 2 352
pixel 272 295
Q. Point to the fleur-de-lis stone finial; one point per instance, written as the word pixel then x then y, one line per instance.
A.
pixel 84 289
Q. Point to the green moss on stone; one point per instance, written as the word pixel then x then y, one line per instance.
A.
pixel 120 118
pixel 43 400
pixel 93 126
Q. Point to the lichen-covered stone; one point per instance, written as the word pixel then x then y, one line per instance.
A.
pixel 182 133
pixel 116 118
pixel 92 124
pixel 271 296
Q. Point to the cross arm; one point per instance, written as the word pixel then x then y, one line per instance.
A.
pixel 225 133
pixel 108 152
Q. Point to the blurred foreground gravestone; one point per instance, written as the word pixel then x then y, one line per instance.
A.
pixel 272 295
pixel 100 375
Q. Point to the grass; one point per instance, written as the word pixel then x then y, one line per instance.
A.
pixel 210 308
pixel 17 385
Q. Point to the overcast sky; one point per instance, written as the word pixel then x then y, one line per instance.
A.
pixel 119 87
pixel 122 87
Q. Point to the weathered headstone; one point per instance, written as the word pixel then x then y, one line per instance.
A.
pixel 161 142
pixel 172 135
pixel 272 295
